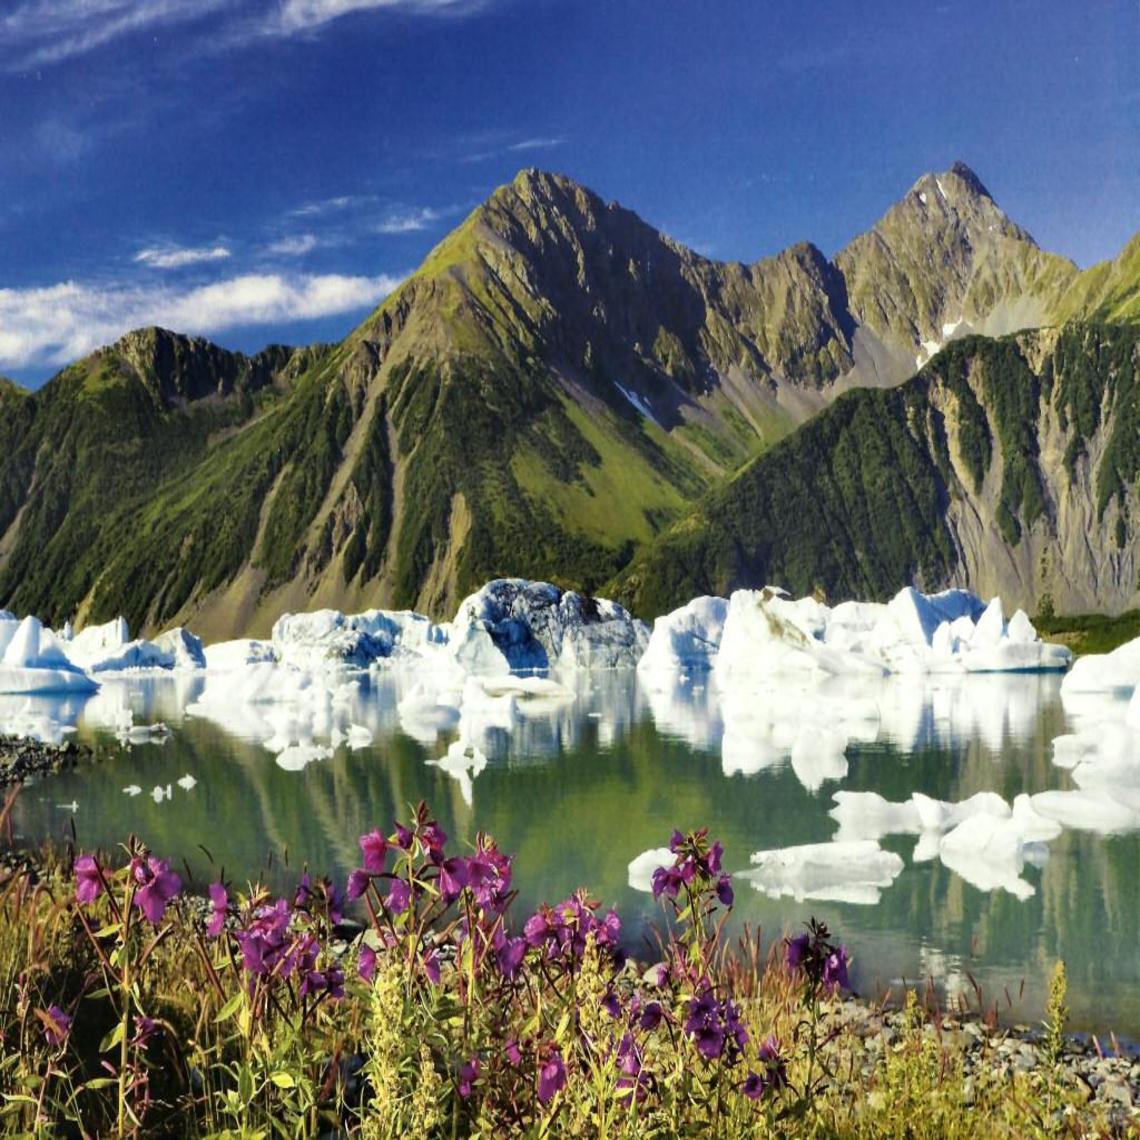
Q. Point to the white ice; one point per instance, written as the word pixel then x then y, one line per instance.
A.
pixel 854 871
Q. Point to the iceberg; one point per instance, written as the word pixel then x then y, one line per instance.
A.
pixel 329 637
pixel 108 648
pixel 1115 672
pixel 856 871
pixel 515 625
pixel 642 866
pixel 686 640
pixel 34 661
pixel 761 633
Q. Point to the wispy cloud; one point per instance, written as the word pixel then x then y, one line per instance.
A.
pixel 410 221
pixel 331 206
pixel 522 146
pixel 296 245
pixel 535 144
pixel 301 15
pixel 173 257
pixel 57 323
pixel 38 32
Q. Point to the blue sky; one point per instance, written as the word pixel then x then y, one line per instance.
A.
pixel 266 170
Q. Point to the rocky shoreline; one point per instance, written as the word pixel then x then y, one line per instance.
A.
pixel 1102 1080
pixel 21 758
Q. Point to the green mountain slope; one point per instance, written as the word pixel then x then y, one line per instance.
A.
pixel 555 385
pixel 1008 465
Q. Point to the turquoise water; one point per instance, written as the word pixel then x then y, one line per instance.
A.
pixel 579 788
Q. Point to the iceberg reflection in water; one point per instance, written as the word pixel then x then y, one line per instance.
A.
pixel 929 818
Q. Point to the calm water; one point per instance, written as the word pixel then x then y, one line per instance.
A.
pixel 579 787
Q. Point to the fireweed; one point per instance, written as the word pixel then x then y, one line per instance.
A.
pixel 270 1015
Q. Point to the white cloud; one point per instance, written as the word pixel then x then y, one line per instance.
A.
pixel 300 15
pixel 331 205
pixel 409 222
pixel 58 323
pixel 296 246
pixel 46 31
pixel 536 144
pixel 176 258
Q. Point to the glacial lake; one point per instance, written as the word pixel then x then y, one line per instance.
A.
pixel 578 787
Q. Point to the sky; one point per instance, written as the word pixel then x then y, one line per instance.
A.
pixel 265 171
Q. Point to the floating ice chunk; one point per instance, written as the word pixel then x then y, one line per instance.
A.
pixel 1118 671
pixel 72 807
pixel 186 650
pixel 536 626
pixel 187 782
pixel 990 852
pixel 1086 811
pixel 641 867
pixel 463 762
pixel 96 642
pixel 160 793
pixel 1133 717
pixel 108 649
pixel 852 872
pixel 688 638
pixel 938 815
pixel 324 637
pixel 296 757
pixel 34 662
pixel 1020 629
pixel 766 634
pixel 867 815
pixel 225 656
pixel 132 790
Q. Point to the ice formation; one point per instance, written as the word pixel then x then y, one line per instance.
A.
pixel 108 648
pixel 853 872
pixel 1115 672
pixel 32 660
pixel 512 624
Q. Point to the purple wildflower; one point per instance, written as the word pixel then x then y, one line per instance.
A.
pixel 145 1029
pixel 551 1077
pixel 835 970
pixel 403 838
pixel 431 967
pixel 220 903
pixel 88 880
pixel 651 1016
pixel 374 848
pixel 754 1086
pixel 399 896
pixel 513 1052
pixel 611 1003
pixel 797 950
pixel 158 885
pixel 776 1069
pixel 366 962
pixel 510 956
pixel 468 1075
pixel 57 1026
pixel 357 884
pixel 724 890
pixel 453 877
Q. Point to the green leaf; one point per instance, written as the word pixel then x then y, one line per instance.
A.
pixel 283 1080
pixel 111 1039
pixel 229 1009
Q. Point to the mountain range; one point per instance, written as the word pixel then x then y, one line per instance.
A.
pixel 563 392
